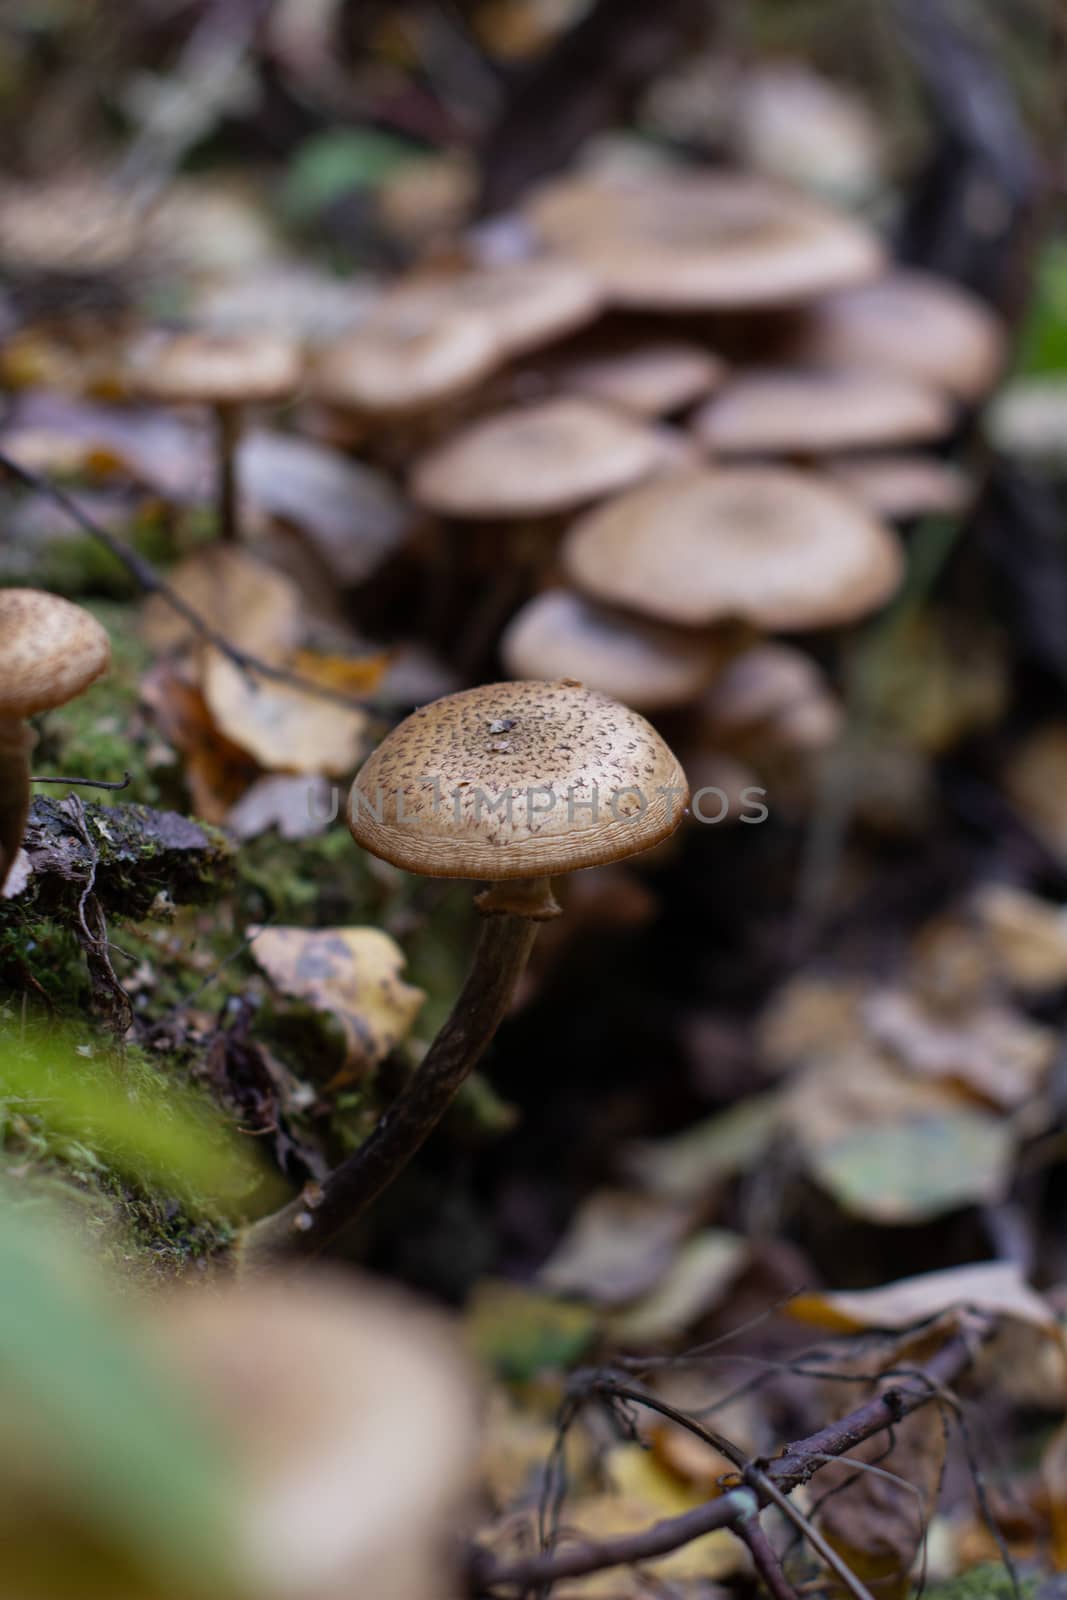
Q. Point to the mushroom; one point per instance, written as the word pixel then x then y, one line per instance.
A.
pixel 899 486
pixel 702 241
pixel 645 664
pixel 809 413
pixel 524 304
pixel 537 460
pixel 767 545
pixel 910 323
pixel 646 378
pixel 50 650
pixel 225 372
pixel 509 783
pixel 405 359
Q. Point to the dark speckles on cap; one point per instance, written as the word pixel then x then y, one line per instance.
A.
pixel 448 794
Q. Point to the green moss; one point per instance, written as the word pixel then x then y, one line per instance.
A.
pixel 990 1581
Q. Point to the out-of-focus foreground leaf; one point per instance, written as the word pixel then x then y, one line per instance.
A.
pixel 115 1447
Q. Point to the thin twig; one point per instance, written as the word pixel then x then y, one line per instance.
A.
pixel 764 1559
pixel 88 783
pixel 149 581
pixel 770 1482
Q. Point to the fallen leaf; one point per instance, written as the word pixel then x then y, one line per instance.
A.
pixel 286 729
pixel 687 1166
pixel 519 1332
pixel 353 973
pixel 1036 781
pixel 215 771
pixel 998 1053
pixel 352 514
pixel 809 1016
pixel 55 432
pixel 893 1148
pixel 618 1246
pixel 998 1287
pixel 694 1284
pixel 298 807
pixel 1028 936
pixel 249 604
pixel 351 675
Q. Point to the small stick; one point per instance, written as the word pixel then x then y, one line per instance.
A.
pixel 751 1533
pixel 87 783
pixel 147 579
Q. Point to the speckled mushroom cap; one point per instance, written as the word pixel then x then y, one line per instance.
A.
pixel 900 486
pixel 214 368
pixel 644 664
pixel 536 460
pixel 50 650
pixel 551 753
pixel 780 411
pixel 771 546
pixel 648 379
pixel 405 359
pixel 524 304
pixel 702 240
pixel 907 322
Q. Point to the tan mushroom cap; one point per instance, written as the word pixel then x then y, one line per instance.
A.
pixel 351 1419
pixel 405 359
pixel 586 781
pixel 902 486
pixel 785 412
pixel 536 460
pixel 768 545
pixel 50 650
pixel 214 368
pixel 524 303
pixel 703 240
pixel 646 665
pixel 907 322
pixel 777 686
pixel 652 378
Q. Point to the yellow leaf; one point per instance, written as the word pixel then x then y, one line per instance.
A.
pixel 354 675
pixel 283 727
pixel 353 973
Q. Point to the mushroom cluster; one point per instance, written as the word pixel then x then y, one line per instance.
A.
pixel 657 419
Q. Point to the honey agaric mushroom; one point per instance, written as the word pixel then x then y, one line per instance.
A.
pixel 899 486
pixel 50 651
pixel 225 372
pixel 537 460
pixel 908 322
pixel 766 545
pixel 523 304
pixel 510 784
pixel 702 241
pixel 645 664
pixel 810 413
pixel 645 377
pixel 405 359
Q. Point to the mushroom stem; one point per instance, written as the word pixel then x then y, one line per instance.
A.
pixel 229 426
pixel 16 742
pixel 303 1228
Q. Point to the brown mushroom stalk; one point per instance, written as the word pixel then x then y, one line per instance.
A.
pixel 228 422
pixel 499 961
pixel 50 650
pixel 510 784
pixel 16 743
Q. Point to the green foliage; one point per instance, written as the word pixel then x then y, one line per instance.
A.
pixel 330 164
pixel 122 1449
pixel 1043 341
pixel 90 1109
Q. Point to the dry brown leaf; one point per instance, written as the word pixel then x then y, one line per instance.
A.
pixel 285 728
pixel 999 1054
pixel 253 607
pixel 694 1284
pixel 351 675
pixel 618 1246
pixel 216 772
pixel 997 1287
pixel 1028 936
pixel 809 1016
pixel 353 973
